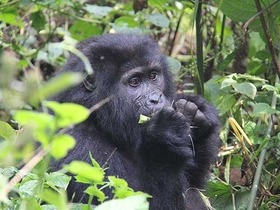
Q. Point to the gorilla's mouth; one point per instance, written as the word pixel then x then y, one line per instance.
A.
pixel 147 111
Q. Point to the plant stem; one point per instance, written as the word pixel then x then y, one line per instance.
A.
pixel 199 49
pixel 258 173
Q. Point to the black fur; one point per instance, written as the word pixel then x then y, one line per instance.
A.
pixel 169 156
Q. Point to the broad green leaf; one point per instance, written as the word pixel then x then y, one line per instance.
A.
pixel 92 190
pixel 58 199
pixel 246 88
pixel 61 144
pixel 6 131
pixel 38 20
pixel 82 179
pixel 136 202
pixel 57 179
pixel 86 170
pixel 243 10
pixel 81 30
pixel 28 188
pixel 263 108
pixel 126 21
pixel 67 114
pixel 269 87
pixel 237 10
pixel 98 11
pixel 117 182
pixel 228 82
pixel 174 65
pixel 54 86
pixel 11 18
pixel 34 119
pixel 158 20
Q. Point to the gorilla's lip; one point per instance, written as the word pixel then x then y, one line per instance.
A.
pixel 149 112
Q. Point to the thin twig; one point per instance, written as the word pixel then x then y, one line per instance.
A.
pixel 100 104
pixel 248 22
pixel 25 170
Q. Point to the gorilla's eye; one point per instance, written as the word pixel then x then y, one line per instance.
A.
pixel 135 81
pixel 153 75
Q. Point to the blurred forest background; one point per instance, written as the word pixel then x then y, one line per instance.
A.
pixel 226 50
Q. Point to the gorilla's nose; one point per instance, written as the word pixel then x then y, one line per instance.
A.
pixel 155 99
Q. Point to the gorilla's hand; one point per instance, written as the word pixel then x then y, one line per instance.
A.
pixel 167 136
pixel 194 115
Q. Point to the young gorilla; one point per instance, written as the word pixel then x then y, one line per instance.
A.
pixel 168 156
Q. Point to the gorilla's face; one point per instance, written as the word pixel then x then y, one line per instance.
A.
pixel 142 87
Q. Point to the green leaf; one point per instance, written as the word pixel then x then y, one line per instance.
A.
pixel 92 190
pixel 174 65
pixel 269 87
pixel 34 119
pixel 81 30
pixel 228 82
pixel 6 131
pixel 136 202
pixel 237 10
pixel 61 144
pixel 263 108
pixel 11 18
pixel 127 21
pixel 246 88
pixel 98 11
pixel 38 20
pixel 158 20
pixel 28 188
pixel 57 179
pixel 143 119
pixel 86 170
pixel 58 199
pixel 67 114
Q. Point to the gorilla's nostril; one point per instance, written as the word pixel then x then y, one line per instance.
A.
pixel 154 101
pixel 154 98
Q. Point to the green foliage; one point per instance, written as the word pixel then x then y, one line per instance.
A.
pixel 35 33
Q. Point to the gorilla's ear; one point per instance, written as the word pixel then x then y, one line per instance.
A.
pixel 89 83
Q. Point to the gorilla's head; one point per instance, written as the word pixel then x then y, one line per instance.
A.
pixel 131 71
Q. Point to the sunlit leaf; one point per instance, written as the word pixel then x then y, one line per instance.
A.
pixel 6 131
pixel 92 190
pixel 61 144
pixel 59 200
pixel 67 114
pixel 34 119
pixel 86 170
pixel 57 179
pixel 11 18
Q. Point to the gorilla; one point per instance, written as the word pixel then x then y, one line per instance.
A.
pixel 168 156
